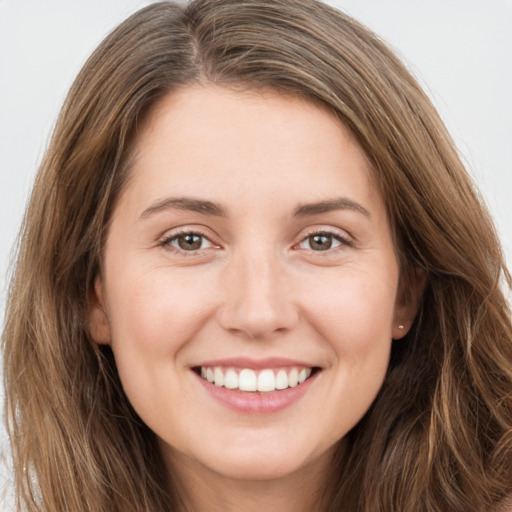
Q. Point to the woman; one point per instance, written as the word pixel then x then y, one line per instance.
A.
pixel 255 275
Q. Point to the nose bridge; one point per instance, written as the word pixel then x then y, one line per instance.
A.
pixel 257 298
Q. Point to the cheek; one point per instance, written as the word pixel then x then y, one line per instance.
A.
pixel 354 310
pixel 354 316
pixel 153 316
pixel 155 312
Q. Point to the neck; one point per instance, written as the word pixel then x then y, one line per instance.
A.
pixel 202 490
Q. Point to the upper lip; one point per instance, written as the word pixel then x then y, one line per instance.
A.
pixel 255 364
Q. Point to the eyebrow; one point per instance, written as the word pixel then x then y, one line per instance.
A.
pixel 186 203
pixel 329 205
pixel 205 207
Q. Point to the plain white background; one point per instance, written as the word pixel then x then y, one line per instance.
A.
pixel 460 50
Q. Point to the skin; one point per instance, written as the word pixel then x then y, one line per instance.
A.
pixel 256 287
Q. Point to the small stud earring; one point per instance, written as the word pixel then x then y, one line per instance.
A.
pixel 400 326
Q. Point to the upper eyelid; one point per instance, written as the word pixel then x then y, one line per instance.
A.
pixel 195 230
pixel 337 232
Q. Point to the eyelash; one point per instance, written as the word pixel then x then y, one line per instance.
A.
pixel 167 242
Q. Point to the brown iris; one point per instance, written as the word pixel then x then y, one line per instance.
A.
pixel 320 242
pixel 190 241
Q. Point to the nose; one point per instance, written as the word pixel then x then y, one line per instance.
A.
pixel 257 297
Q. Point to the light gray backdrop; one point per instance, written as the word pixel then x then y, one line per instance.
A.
pixel 460 50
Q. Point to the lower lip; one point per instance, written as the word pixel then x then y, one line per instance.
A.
pixel 257 402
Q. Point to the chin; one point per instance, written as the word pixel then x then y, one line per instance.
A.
pixel 255 467
pixel 257 458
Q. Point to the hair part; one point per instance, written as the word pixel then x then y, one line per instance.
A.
pixel 438 436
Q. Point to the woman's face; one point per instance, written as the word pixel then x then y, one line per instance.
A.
pixel 249 250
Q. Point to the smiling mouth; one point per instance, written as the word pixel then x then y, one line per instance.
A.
pixel 249 380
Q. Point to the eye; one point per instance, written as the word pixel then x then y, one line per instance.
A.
pixel 322 241
pixel 188 242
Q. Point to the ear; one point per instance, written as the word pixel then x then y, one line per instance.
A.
pixel 410 291
pixel 99 327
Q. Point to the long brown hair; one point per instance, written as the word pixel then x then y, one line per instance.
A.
pixel 439 435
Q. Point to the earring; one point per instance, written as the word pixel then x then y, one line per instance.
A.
pixel 401 327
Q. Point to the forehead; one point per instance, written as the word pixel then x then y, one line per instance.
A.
pixel 248 142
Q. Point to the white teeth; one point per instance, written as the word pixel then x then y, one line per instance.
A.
pixel 293 377
pixel 218 377
pixel 266 381
pixel 281 380
pixel 231 379
pixel 248 380
pixel 303 375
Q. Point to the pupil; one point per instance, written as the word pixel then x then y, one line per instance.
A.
pixel 189 242
pixel 321 242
